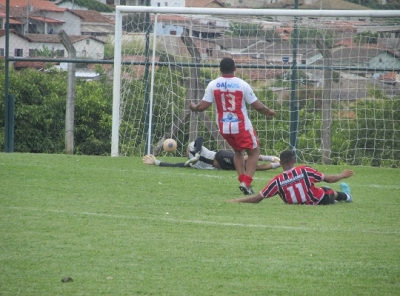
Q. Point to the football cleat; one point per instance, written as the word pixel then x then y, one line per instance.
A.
pixel 346 189
pixel 193 160
pixel 247 190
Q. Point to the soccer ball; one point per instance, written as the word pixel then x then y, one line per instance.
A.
pixel 169 145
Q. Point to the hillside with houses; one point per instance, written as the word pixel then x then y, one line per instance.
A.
pixel 35 27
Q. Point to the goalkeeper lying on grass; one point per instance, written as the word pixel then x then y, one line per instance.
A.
pixel 202 158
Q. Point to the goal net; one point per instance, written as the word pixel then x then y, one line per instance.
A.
pixel 331 76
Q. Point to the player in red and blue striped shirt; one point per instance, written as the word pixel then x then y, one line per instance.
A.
pixel 296 185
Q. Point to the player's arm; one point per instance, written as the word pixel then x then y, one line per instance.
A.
pixel 151 160
pixel 200 107
pixel 335 178
pixel 260 107
pixel 252 199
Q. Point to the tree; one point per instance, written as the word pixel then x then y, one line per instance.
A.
pixel 136 22
pixel 311 35
pixel 246 29
pixel 366 37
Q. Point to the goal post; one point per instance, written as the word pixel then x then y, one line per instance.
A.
pixel 329 74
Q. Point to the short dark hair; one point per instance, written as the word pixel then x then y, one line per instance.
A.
pixel 227 65
pixel 287 156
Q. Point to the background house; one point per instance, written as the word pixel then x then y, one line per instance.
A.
pixel 29 44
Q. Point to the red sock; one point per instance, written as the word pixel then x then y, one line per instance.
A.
pixel 241 177
pixel 247 179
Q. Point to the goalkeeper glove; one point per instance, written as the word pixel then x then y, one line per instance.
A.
pixel 150 159
pixel 193 160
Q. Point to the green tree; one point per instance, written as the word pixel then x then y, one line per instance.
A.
pixel 307 36
pixel 246 29
pixel 46 52
pixel 40 99
pixel 367 37
pixel 136 22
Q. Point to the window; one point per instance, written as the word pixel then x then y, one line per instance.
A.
pixel 172 32
pixel 158 4
pixel 1 52
pixel 209 52
pixel 380 60
pixel 166 3
pixel 32 52
pixel 18 52
pixel 87 41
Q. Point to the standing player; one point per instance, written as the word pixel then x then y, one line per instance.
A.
pixel 296 185
pixel 202 158
pixel 230 95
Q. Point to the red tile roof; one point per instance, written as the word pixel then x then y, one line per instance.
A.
pixel 347 42
pixel 203 3
pixel 391 76
pixel 46 20
pixel 91 16
pixel 37 5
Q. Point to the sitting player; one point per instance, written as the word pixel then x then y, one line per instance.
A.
pixel 202 158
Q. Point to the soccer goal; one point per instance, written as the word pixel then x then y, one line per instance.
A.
pixel 331 76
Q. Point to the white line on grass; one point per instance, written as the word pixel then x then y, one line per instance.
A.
pixel 204 222
pixel 268 178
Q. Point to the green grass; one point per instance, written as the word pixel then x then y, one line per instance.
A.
pixel 118 227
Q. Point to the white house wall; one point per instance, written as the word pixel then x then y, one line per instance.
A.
pixel 165 29
pixel 93 50
pixel 16 42
pixel 168 3
pixel 72 25
pixel 53 47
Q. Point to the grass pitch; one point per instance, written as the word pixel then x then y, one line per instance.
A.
pixel 118 227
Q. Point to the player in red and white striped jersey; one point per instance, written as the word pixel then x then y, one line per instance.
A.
pixel 230 95
pixel 296 185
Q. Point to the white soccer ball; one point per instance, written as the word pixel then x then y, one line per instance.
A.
pixel 169 145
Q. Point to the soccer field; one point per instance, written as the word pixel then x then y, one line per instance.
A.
pixel 118 227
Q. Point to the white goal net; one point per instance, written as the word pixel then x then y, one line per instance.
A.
pixel 331 76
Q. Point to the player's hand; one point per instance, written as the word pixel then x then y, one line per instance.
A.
pixel 193 160
pixel 347 173
pixel 149 159
pixel 192 106
pixel 270 112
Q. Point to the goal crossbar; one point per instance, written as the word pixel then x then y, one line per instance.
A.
pixel 259 12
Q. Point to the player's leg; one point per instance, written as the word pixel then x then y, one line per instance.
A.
pixel 252 160
pixel 346 194
pixel 239 142
pixel 329 197
pixel 194 151
pixel 264 167
pixel 238 160
pixel 274 162
pixel 244 179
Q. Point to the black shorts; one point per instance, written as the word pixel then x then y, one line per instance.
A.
pixel 329 197
pixel 225 159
